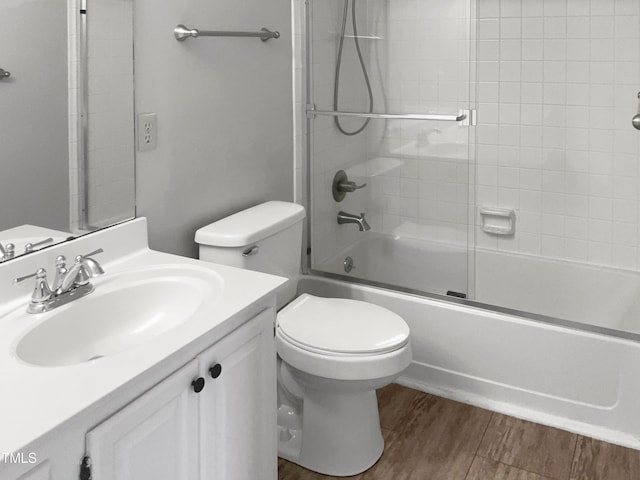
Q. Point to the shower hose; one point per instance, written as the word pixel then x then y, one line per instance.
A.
pixel 336 85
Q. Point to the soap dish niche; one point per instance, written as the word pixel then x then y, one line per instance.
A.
pixel 498 221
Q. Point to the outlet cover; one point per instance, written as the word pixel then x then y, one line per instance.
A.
pixel 147 131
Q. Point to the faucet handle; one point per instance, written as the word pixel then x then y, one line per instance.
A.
pixel 10 251
pixel 41 292
pixel 350 186
pixel 29 247
pixel 7 252
pixel 91 254
pixel 19 280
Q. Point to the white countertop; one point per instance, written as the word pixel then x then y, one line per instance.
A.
pixel 34 400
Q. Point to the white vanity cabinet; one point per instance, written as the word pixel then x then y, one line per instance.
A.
pixel 154 437
pixel 238 405
pixel 214 419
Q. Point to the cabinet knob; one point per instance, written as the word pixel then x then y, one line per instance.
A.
pixel 198 384
pixel 215 370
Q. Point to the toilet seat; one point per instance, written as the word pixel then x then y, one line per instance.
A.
pixel 341 327
pixel 353 368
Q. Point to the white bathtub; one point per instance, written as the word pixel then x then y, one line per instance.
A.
pixel 588 383
pixel 603 297
pixel 599 296
pixel 407 262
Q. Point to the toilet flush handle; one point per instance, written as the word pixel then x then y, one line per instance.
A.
pixel 251 251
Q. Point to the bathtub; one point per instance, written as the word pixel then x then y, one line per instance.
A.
pixel 602 297
pixel 581 381
pixel 607 299
pixel 412 263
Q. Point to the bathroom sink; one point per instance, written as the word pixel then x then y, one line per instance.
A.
pixel 125 310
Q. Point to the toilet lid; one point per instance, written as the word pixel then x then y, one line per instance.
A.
pixel 341 325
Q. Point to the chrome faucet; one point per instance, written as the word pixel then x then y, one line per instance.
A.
pixel 78 275
pixel 344 217
pixel 68 285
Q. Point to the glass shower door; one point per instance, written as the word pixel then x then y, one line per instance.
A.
pixel 389 107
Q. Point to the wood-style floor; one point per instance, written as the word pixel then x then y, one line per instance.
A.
pixel 432 438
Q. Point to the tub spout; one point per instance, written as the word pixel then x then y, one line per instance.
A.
pixel 344 217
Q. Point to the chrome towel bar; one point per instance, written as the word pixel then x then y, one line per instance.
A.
pixel 459 117
pixel 182 33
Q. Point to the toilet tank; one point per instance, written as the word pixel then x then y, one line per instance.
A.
pixel 266 238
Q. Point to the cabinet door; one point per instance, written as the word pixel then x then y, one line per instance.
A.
pixel 41 472
pixel 153 438
pixel 238 407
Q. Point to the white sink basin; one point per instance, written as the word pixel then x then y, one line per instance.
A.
pixel 125 310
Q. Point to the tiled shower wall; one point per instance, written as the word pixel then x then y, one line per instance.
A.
pixel 332 151
pixel 426 69
pixel 558 81
pixel 110 169
pixel 418 62
pixel 111 146
pixel 557 84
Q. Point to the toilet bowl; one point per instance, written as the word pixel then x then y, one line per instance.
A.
pixel 336 352
pixel 333 353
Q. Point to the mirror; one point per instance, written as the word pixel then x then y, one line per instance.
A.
pixel 67 147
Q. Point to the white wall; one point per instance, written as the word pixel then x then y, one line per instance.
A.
pixel 33 139
pixel 224 115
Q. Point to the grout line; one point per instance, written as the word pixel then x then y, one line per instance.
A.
pixel 528 471
pixel 475 455
pixel 573 456
pixel 484 434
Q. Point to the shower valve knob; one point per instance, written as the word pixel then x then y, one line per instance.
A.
pixel 350 186
pixel 342 185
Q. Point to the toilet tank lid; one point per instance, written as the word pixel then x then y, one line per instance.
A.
pixel 250 225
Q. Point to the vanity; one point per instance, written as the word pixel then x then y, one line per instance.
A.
pixel 166 371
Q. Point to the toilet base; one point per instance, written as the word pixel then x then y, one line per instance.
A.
pixel 340 433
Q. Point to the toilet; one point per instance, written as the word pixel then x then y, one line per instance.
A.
pixel 333 353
